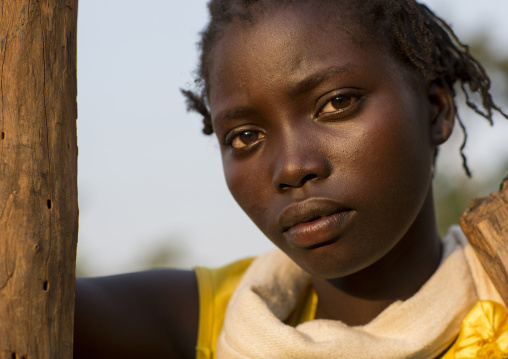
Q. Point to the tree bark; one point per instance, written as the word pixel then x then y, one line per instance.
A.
pixel 38 177
pixel 485 225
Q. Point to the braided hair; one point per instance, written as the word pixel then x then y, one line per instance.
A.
pixel 417 37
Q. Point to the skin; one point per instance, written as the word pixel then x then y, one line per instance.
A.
pixel 285 145
pixel 151 314
pixel 311 123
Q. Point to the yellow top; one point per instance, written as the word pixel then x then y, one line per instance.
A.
pixel 484 331
pixel 215 287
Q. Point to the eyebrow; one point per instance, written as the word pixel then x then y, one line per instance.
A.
pixel 308 83
pixel 228 115
pixel 313 80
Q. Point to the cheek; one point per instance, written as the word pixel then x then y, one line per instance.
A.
pixel 247 186
pixel 399 133
pixel 235 179
pixel 395 157
pixel 393 152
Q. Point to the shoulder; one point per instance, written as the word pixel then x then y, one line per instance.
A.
pixel 215 286
pixel 152 313
pixel 223 278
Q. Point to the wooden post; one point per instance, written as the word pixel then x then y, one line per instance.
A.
pixel 38 177
pixel 485 225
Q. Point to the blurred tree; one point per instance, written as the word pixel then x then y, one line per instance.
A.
pixel 168 251
pixel 453 192
pixel 165 254
pixel 494 61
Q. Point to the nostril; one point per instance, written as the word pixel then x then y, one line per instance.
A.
pixel 284 186
pixel 307 178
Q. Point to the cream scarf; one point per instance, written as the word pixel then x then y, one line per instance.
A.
pixel 421 327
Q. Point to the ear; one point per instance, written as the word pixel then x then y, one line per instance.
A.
pixel 442 114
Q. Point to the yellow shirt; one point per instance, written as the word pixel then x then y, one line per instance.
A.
pixel 484 332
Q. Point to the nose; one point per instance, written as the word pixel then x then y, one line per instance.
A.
pixel 297 163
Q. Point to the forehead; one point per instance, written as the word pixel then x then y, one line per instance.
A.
pixel 285 44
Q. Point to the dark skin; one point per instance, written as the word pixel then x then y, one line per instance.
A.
pixel 152 314
pixel 314 125
pixel 328 146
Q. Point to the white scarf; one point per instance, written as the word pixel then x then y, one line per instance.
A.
pixel 421 327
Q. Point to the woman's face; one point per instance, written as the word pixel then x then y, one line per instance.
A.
pixel 326 144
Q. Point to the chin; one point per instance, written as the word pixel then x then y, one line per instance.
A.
pixel 331 263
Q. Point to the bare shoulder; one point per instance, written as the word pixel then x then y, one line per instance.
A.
pixel 144 314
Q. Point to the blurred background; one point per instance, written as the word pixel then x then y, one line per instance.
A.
pixel 151 188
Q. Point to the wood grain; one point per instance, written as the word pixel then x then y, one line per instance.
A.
pixel 485 225
pixel 38 177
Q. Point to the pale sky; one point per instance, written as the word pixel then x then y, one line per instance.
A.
pixel 147 176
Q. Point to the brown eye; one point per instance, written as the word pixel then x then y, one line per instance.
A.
pixel 337 104
pixel 246 138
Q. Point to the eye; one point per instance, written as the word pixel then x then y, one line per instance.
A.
pixel 244 139
pixel 338 104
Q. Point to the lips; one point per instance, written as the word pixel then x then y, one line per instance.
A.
pixel 314 222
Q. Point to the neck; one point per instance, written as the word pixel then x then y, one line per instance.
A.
pixel 360 297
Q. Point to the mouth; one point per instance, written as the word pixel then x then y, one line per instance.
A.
pixel 314 222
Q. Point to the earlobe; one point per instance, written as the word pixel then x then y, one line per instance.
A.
pixel 442 114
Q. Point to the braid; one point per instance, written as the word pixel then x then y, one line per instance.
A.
pixel 407 24
pixel 197 103
pixel 417 36
pixel 439 54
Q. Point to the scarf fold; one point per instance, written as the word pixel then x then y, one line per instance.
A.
pixel 423 326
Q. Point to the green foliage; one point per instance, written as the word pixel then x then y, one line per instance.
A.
pixel 453 192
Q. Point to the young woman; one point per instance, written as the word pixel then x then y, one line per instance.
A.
pixel 329 115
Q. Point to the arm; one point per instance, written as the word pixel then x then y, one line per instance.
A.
pixel 137 315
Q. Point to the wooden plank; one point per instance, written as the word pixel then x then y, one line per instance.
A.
pixel 38 177
pixel 485 225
